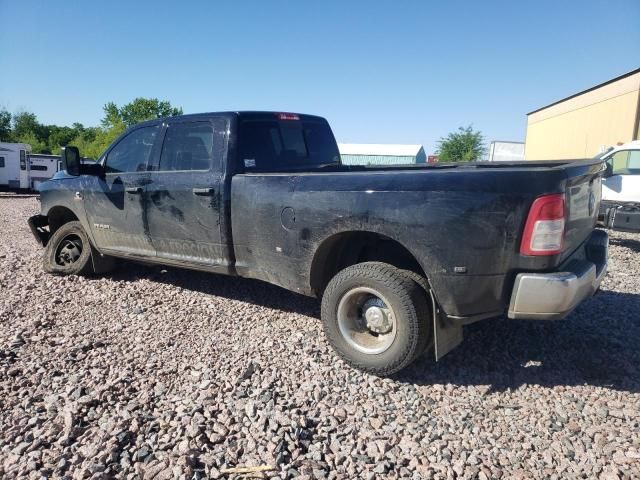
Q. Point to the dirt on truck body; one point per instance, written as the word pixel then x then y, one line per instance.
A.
pixel 402 257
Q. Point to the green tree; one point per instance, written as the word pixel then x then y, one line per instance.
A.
pixel 464 145
pixel 60 137
pixel 37 145
pixel 25 123
pixel 27 129
pixel 92 141
pixel 5 126
pixel 139 110
pixel 111 115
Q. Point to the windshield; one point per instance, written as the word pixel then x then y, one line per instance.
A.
pixel 286 142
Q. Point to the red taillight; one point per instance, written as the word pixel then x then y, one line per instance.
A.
pixel 544 230
pixel 288 116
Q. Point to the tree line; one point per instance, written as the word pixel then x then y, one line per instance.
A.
pixel 464 145
pixel 24 127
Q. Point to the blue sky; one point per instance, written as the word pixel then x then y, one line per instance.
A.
pixel 381 72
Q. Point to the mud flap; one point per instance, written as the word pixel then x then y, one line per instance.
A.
pixel 101 263
pixel 38 225
pixel 447 335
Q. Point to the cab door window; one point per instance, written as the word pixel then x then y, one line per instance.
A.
pixel 619 162
pixel 132 153
pixel 188 146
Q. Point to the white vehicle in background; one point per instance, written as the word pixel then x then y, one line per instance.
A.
pixel 505 151
pixel 42 167
pixel 620 207
pixel 22 170
pixel 14 165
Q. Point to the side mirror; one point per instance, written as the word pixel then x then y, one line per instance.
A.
pixel 608 171
pixel 71 160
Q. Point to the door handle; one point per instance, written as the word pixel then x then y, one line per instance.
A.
pixel 203 191
pixel 133 189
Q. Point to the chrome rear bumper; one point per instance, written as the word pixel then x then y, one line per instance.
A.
pixel 552 296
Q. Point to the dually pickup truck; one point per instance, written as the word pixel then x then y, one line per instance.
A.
pixel 402 257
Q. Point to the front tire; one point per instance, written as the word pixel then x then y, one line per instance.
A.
pixel 376 317
pixel 68 251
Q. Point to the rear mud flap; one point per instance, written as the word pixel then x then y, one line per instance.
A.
pixel 447 335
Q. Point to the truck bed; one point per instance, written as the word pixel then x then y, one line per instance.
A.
pixel 450 217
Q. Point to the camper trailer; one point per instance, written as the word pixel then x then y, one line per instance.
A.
pixel 22 170
pixel 42 167
pixel 14 165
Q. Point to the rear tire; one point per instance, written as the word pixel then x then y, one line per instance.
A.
pixel 68 251
pixel 376 317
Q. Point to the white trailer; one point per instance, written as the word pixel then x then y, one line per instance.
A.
pixel 504 151
pixel 14 165
pixel 42 167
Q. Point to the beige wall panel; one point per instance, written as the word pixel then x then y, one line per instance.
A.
pixel 588 98
pixel 580 133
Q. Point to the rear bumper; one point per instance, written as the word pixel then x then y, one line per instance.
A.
pixel 37 224
pixel 552 296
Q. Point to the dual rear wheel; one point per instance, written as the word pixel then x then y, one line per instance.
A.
pixel 377 317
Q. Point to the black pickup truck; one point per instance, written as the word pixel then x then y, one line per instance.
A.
pixel 402 257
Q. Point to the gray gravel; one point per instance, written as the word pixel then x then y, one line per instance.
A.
pixel 161 373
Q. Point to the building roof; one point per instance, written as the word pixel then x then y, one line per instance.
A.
pixel 625 75
pixel 388 150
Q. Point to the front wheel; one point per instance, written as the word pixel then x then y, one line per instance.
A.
pixel 68 251
pixel 376 317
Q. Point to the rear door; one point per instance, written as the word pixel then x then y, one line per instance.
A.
pixel 184 196
pixel 115 204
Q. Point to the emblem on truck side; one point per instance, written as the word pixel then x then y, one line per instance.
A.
pixel 102 225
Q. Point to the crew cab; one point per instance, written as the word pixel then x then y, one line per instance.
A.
pixel 401 257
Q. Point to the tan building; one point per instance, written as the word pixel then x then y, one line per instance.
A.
pixel 584 124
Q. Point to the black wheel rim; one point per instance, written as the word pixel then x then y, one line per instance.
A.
pixel 69 250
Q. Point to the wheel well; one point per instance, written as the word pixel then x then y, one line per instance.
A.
pixel 58 216
pixel 345 249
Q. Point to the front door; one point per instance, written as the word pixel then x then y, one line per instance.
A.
pixel 184 195
pixel 115 204
pixel 624 183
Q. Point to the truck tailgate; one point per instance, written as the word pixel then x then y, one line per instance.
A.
pixel 583 195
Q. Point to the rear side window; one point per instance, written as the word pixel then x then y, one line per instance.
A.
pixel 187 146
pixel 272 145
pixel 1 162
pixel 132 153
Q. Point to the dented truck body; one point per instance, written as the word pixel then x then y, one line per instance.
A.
pixel 296 225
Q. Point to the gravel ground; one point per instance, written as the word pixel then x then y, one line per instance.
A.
pixel 161 373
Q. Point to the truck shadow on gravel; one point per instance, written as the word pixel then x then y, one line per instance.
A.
pixel 629 243
pixel 247 290
pixel 598 344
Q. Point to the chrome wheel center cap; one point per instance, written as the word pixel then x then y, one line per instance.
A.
pixel 377 320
